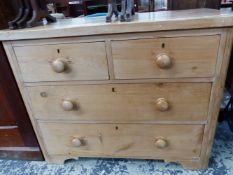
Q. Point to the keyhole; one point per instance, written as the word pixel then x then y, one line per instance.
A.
pixel 43 94
pixel 163 45
pixel 113 89
pixel 58 50
pixel 116 128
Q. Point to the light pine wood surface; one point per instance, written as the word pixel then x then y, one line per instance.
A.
pixel 189 57
pixel 147 89
pixel 143 22
pixel 122 102
pixel 123 140
pixel 82 61
pixel 217 94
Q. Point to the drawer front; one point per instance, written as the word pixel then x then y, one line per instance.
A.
pixel 165 57
pixel 122 102
pixel 11 137
pixel 123 140
pixel 61 62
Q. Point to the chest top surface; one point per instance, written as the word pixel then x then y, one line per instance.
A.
pixel 143 22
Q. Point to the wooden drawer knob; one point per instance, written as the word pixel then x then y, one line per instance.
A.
pixel 163 61
pixel 77 142
pixel 162 104
pixel 161 143
pixel 58 65
pixel 68 105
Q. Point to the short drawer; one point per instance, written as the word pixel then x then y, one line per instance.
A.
pixel 123 140
pixel 62 62
pixel 122 102
pixel 165 57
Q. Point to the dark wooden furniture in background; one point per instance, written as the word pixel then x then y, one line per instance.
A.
pixel 227 3
pixel 229 80
pixel 61 6
pixel 6 14
pixel 95 6
pixel 76 8
pixel 17 137
pixel 100 6
pixel 70 8
pixel 192 4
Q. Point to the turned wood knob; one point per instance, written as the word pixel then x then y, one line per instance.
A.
pixel 58 65
pixel 67 105
pixel 77 142
pixel 163 61
pixel 162 104
pixel 161 143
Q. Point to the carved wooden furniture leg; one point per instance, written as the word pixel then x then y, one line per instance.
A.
pixel 133 8
pixel 192 165
pixel 12 24
pixel 129 10
pixel 39 11
pixel 123 9
pixel 27 14
pixel 112 9
pixel 43 6
pixel 59 159
pixel 151 5
pixel 51 18
pixel 115 10
pixel 35 13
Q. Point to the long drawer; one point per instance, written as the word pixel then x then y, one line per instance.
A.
pixel 122 140
pixel 63 62
pixel 122 102
pixel 165 57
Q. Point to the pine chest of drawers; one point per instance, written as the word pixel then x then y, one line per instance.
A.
pixel 149 89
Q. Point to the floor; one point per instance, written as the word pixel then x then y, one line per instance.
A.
pixel 221 163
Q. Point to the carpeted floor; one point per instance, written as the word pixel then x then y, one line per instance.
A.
pixel 221 163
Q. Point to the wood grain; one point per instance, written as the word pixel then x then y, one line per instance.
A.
pixel 217 94
pixel 85 61
pixel 123 140
pixel 122 102
pixel 192 4
pixel 190 57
